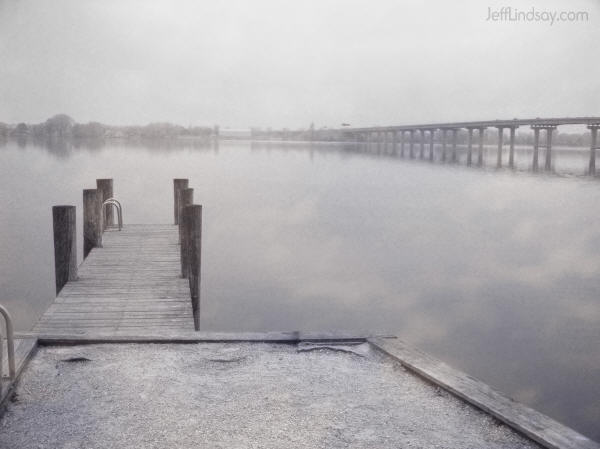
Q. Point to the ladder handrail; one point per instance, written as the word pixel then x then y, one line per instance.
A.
pixel 114 202
pixel 10 343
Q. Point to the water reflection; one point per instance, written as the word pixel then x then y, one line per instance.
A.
pixel 494 272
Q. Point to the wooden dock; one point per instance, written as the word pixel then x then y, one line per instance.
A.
pixel 131 284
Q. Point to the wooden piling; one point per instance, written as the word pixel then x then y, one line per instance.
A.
pixel 65 245
pixel 92 220
pixel 105 188
pixel 186 198
pixel 178 184
pixel 192 216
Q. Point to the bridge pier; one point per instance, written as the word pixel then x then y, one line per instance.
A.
pixel 411 145
pixel 536 146
pixel 454 141
pixel 402 143
pixel 394 141
pixel 431 137
pixel 470 146
pixel 549 130
pixel 500 145
pixel 511 154
pixel 480 149
pixel 444 135
pixel 422 151
pixel 594 131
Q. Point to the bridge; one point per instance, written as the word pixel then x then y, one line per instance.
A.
pixel 424 135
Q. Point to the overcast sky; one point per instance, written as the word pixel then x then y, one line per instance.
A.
pixel 282 63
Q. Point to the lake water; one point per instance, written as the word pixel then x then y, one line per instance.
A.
pixel 494 272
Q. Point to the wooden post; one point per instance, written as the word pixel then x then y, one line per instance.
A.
pixel 65 245
pixel 592 164
pixel 536 147
pixel 92 220
pixel 192 216
pixel 178 184
pixel 186 198
pixel 500 145
pixel 105 188
pixel 470 147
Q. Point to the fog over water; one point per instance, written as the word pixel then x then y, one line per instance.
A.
pixel 279 63
pixel 494 272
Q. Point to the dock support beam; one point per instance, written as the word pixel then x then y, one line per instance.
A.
pixel 511 151
pixel 178 184
pixel 92 220
pixel 192 217
pixel 65 245
pixel 470 146
pixel 594 131
pixel 105 188
pixel 500 145
pixel 186 198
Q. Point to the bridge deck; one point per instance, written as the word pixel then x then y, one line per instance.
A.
pixel 131 284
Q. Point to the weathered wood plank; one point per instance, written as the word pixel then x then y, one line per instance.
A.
pixel 538 427
pixel 132 283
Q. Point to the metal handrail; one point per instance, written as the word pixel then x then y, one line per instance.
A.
pixel 114 202
pixel 10 343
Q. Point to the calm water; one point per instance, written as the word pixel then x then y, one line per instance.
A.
pixel 496 273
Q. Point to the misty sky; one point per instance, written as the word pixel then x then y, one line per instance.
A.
pixel 289 63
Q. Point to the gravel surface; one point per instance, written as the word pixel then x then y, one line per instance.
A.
pixel 236 396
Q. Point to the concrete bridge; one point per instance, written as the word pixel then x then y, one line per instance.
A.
pixel 424 136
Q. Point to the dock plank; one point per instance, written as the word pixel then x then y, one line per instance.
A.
pixel 131 284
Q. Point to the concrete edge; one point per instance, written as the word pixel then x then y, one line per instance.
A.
pixel 198 337
pixel 527 421
pixel 7 392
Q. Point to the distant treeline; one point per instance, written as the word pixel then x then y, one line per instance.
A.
pixel 62 126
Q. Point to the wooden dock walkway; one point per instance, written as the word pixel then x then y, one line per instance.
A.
pixel 133 283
